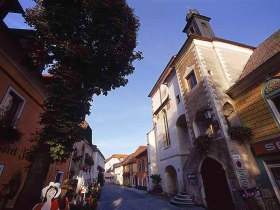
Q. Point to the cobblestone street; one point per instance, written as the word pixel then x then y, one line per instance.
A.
pixel 122 198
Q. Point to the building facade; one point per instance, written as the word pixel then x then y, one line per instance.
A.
pixel 142 167
pixel 193 123
pixel 21 97
pixel 256 100
pixel 171 147
pixel 109 163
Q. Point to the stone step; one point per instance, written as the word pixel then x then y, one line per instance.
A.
pixel 183 196
pixel 182 199
pixel 181 203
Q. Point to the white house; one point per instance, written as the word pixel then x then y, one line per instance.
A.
pixel 99 162
pixel 109 162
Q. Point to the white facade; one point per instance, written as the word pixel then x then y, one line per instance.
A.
pixel 109 164
pixel 118 171
pixel 193 81
pixel 109 169
pixel 166 158
pixel 99 161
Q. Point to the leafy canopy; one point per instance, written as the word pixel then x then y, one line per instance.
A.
pixel 88 48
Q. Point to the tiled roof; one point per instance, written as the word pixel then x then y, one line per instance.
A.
pixel 118 156
pixel 140 150
pixel 130 159
pixel 262 53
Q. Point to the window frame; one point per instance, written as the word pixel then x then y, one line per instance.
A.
pixel 167 142
pixel 21 106
pixel 273 91
pixel 189 78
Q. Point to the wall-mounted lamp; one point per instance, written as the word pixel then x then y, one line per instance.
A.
pixel 208 114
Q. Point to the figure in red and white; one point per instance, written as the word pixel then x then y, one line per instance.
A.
pixel 49 193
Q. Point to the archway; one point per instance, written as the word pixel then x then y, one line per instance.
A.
pixel 171 181
pixel 183 134
pixel 216 188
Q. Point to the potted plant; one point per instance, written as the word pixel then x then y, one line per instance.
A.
pixel 203 143
pixel 156 179
pixel 240 133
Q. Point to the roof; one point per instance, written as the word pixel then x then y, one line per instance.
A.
pixel 168 69
pixel 95 149
pixel 118 156
pixel 7 6
pixel 262 53
pixel 264 60
pixel 130 159
pixel 140 151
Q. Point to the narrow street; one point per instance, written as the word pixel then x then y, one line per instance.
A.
pixel 122 198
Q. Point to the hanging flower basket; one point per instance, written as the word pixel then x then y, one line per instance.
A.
pixel 203 143
pixel 9 134
pixel 240 133
pixel 89 161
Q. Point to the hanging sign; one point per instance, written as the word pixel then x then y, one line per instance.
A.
pixel 191 176
pixel 241 172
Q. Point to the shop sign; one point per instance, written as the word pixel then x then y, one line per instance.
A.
pixel 236 157
pixel 267 147
pixel 191 176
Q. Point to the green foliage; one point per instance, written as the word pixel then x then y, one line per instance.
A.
pixel 156 179
pixel 240 133
pixel 203 143
pixel 88 47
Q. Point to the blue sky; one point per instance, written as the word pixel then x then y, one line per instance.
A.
pixel 121 120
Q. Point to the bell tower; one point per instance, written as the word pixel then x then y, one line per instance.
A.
pixel 198 24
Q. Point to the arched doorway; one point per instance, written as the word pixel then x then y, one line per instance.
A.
pixel 216 188
pixel 171 181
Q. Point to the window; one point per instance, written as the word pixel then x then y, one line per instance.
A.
pixel 273 171
pixel 191 80
pixel 11 108
pixel 166 133
pixel 59 177
pixel 271 93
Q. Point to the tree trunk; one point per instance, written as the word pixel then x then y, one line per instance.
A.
pixel 31 190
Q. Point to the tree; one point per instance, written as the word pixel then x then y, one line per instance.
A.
pixel 88 48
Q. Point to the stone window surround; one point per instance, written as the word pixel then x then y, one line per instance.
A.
pixel 5 98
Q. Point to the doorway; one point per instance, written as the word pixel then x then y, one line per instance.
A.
pixel 216 188
pixel 171 180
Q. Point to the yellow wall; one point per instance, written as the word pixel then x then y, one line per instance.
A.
pixel 255 113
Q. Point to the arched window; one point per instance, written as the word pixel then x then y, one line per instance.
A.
pixel 271 93
pixel 166 132
pixel 230 115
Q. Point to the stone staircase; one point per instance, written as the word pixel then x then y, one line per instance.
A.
pixel 182 199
